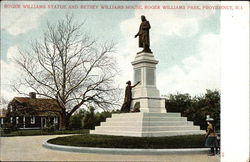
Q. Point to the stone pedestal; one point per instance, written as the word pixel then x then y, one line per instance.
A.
pixel 146 93
pixel 152 120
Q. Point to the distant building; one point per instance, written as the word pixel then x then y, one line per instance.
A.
pixel 33 113
pixel 3 115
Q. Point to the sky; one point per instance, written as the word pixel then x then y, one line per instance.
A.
pixel 186 42
pixel 196 49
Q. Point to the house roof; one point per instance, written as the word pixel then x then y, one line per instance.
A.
pixel 43 106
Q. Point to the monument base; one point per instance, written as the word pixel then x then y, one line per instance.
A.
pixel 149 104
pixel 147 124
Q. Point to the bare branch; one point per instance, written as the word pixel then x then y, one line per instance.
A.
pixel 69 66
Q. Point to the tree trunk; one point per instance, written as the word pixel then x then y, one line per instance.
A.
pixel 64 121
pixel 62 125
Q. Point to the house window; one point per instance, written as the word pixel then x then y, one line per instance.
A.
pixel 11 119
pixel 55 120
pixel 17 120
pixel 32 120
pixel 11 108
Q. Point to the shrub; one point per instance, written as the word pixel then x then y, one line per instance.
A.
pixel 49 125
pixel 89 119
pixel 76 120
pixel 92 119
pixel 7 127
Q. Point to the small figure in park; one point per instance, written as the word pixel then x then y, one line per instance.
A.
pixel 128 97
pixel 143 34
pixel 211 140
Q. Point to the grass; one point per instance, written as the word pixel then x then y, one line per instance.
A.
pixel 33 132
pixel 104 141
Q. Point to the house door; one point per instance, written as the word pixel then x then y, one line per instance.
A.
pixel 43 122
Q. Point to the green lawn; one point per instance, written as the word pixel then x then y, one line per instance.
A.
pixel 87 140
pixel 40 132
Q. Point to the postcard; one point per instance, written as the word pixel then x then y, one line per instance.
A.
pixel 80 55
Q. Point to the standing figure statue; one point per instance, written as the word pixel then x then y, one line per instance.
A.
pixel 128 97
pixel 143 34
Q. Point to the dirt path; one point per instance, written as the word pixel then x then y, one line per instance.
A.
pixel 29 148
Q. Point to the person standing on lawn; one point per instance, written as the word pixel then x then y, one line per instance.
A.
pixel 211 140
pixel 128 97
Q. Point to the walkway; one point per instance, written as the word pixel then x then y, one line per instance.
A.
pixel 29 148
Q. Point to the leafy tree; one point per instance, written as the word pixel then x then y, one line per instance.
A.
pixel 89 120
pixel 196 108
pixel 178 102
pixel 70 67
pixel 101 117
pixel 76 120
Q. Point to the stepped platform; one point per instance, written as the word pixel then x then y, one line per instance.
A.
pixel 145 124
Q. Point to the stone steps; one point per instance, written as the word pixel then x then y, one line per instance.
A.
pixel 148 134
pixel 147 114
pixel 115 133
pixel 147 125
pixel 148 119
pixel 147 128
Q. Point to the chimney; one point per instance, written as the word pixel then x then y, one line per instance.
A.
pixel 32 95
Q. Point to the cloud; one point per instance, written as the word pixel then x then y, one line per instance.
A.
pixel 9 71
pixel 17 21
pixel 128 48
pixel 200 69
pixel 196 73
pixel 167 22
pixel 181 23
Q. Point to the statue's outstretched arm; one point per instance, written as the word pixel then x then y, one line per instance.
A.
pixel 136 84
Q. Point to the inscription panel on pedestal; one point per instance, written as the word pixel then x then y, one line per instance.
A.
pixel 137 75
pixel 150 76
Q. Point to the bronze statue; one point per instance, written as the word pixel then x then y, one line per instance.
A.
pixel 128 97
pixel 143 34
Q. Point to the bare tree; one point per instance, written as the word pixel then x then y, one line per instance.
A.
pixel 71 68
pixel 3 100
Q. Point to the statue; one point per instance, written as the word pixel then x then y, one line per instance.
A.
pixel 143 34
pixel 128 97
